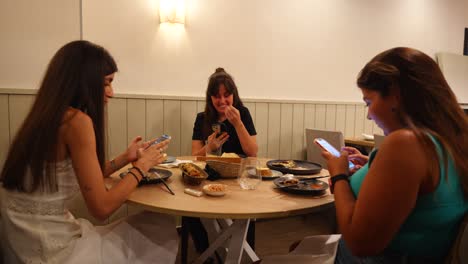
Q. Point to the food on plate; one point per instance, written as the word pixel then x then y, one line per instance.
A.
pixel 291 181
pixel 285 164
pixel 316 185
pixel 229 155
pixel 263 171
pixel 214 187
pixel 191 170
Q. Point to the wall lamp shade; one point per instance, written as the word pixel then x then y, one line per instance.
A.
pixel 172 11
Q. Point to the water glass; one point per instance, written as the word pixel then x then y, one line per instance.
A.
pixel 248 177
pixel 216 151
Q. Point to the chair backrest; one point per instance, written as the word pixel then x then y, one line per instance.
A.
pixel 378 139
pixel 459 251
pixel 335 138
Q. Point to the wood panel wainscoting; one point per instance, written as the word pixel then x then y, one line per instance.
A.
pixel 280 124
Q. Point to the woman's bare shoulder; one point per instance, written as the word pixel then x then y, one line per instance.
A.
pixel 74 117
pixel 76 123
pixel 401 137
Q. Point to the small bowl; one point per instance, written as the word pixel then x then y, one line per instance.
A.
pixel 192 174
pixel 215 189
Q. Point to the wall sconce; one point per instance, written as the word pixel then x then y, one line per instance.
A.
pixel 172 11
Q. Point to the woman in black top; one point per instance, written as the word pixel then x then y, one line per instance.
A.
pixel 224 107
pixel 237 135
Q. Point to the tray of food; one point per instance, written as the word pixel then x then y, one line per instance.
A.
pixel 192 174
pixel 298 167
pixel 300 186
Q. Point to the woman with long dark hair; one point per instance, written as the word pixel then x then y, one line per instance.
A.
pixel 405 205
pixel 225 109
pixel 58 152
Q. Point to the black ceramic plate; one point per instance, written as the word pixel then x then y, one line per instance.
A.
pixel 311 186
pixel 303 167
pixel 151 178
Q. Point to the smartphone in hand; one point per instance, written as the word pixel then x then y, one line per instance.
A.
pixel 159 140
pixel 328 147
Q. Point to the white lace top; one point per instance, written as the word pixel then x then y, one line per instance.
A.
pixel 38 227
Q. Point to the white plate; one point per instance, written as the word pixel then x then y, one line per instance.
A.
pixel 206 189
pixel 367 136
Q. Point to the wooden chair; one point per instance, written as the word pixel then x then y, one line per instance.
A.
pixel 335 138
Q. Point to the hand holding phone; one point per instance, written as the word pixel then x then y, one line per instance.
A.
pixel 159 140
pixel 328 147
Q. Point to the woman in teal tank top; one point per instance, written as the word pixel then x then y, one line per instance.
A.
pixel 406 203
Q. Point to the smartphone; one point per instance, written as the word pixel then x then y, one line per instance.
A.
pixel 158 140
pixel 328 147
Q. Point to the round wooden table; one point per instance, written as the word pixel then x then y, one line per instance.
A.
pixel 263 202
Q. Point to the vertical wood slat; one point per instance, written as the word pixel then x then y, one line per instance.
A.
pixel 136 112
pixel 251 107
pixel 340 120
pixel 188 111
pixel 154 118
pixel 350 120
pixel 309 122
pixel 320 120
pixel 19 108
pixel 298 134
pixel 172 125
pixel 286 131
pixel 261 125
pixel 117 127
pixel 359 121
pixel 274 122
pixel 4 126
pixel 330 117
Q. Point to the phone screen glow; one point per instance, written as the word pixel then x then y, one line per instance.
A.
pixel 328 147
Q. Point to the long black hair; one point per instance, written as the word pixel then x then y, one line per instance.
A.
pixel 218 78
pixel 74 78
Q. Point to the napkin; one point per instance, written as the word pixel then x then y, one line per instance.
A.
pixel 174 164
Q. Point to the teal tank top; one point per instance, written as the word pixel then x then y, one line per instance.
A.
pixel 432 226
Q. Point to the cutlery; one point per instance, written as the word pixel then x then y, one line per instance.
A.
pixel 164 182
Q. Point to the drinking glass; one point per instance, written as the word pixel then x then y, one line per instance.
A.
pixel 217 151
pixel 248 177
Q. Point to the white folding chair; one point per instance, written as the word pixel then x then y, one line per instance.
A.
pixel 335 138
pixel 378 139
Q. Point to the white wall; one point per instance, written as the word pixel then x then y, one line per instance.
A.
pixel 31 31
pixel 275 49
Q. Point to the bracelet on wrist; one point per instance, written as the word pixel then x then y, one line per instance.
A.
pixel 335 179
pixel 136 177
pixel 139 171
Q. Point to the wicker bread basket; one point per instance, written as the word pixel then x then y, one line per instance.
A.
pixel 193 180
pixel 225 169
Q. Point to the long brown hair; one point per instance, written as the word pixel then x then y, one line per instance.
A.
pixel 220 76
pixel 74 78
pixel 427 104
